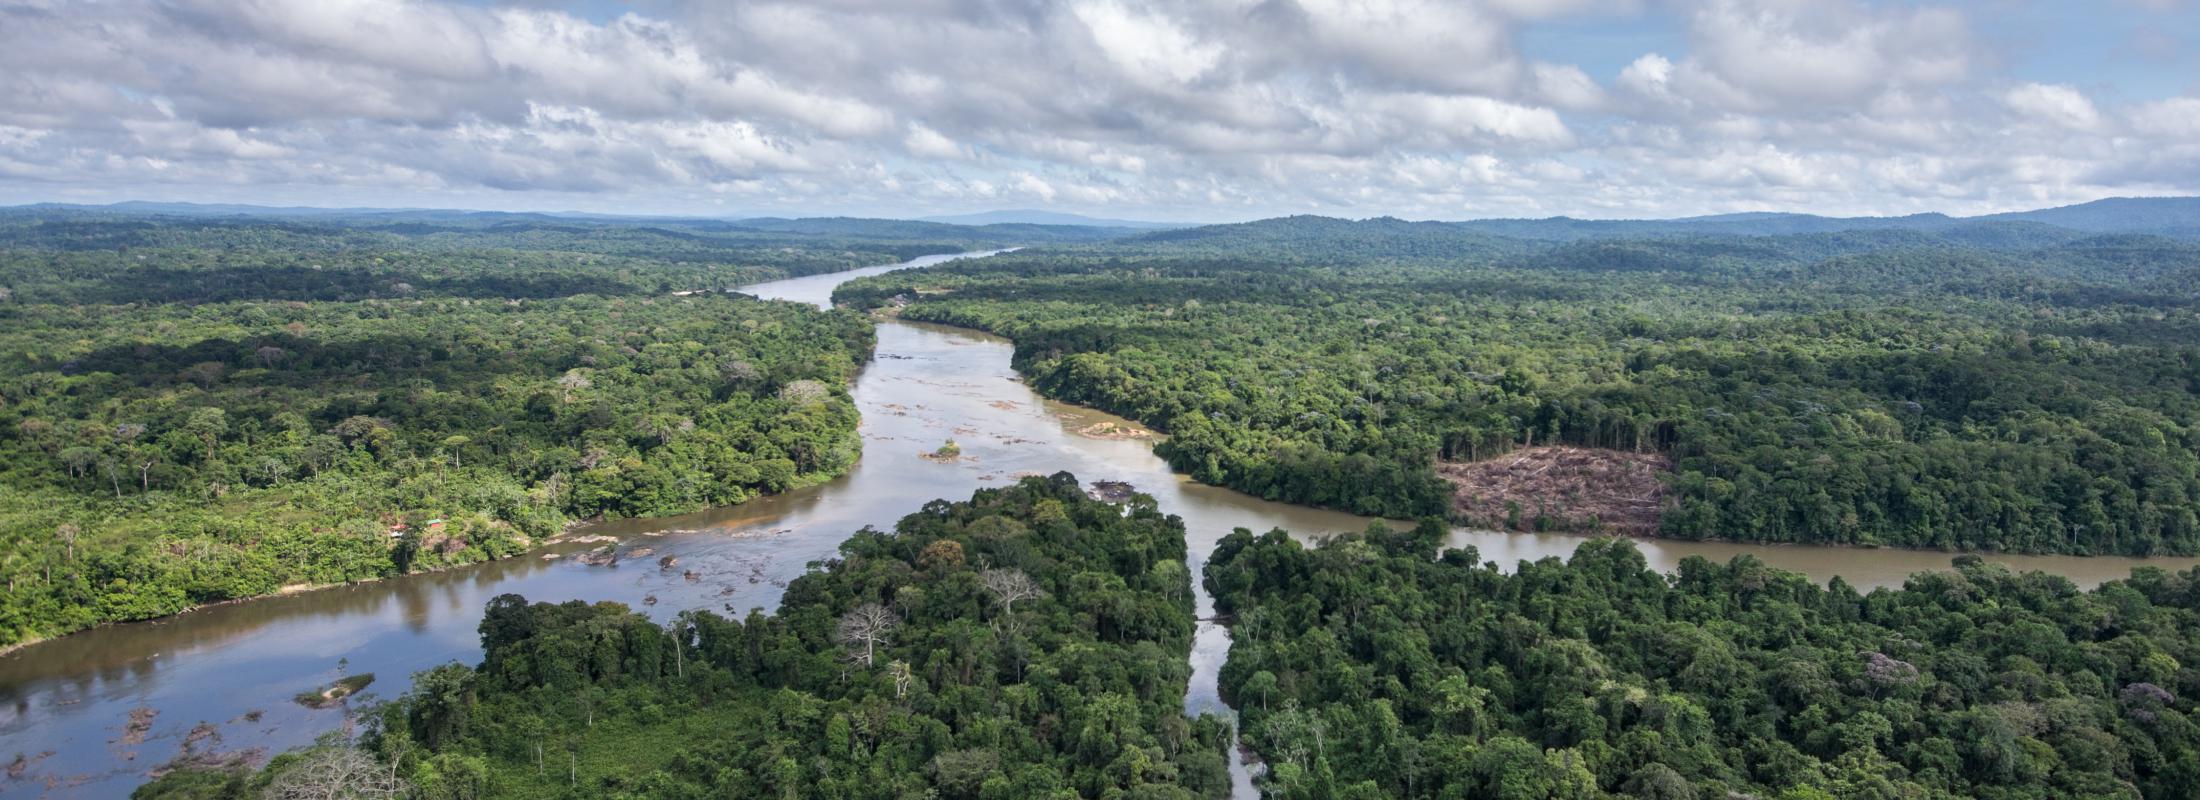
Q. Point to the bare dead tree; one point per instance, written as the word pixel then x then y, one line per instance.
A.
pixel 737 371
pixel 573 380
pixel 113 468
pixel 804 392
pixel 1009 586
pixel 67 533
pixel 337 772
pixel 864 629
pixel 900 671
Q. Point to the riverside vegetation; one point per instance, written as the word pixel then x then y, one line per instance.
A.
pixel 1992 385
pixel 195 410
pixel 1028 643
pixel 1371 666
pixel 1999 384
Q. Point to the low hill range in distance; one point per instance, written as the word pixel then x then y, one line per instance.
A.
pixel 2167 216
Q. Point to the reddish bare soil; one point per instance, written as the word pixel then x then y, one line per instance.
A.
pixel 1562 489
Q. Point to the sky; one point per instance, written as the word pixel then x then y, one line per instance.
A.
pixel 1191 110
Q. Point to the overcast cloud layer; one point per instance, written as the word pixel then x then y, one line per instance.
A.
pixel 1196 109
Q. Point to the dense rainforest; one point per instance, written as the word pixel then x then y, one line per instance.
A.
pixel 106 258
pixel 1989 385
pixel 1371 666
pixel 1028 643
pixel 195 410
pixel 202 408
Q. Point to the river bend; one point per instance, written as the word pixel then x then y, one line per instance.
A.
pixel 65 704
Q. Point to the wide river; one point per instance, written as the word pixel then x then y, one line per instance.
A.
pixel 66 705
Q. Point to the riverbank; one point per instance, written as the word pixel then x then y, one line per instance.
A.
pixel 286 590
pixel 217 664
pixel 528 547
pixel 215 661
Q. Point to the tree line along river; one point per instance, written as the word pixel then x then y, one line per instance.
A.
pixel 92 713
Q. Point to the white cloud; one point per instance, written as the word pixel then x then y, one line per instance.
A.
pixel 1199 108
pixel 1650 75
pixel 1567 86
pixel 1763 54
pixel 2177 117
pixel 924 142
pixel 1433 44
pixel 1465 117
pixel 415 38
pixel 2055 105
pixel 1148 46
pixel 1035 186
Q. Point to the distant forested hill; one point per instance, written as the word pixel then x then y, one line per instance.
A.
pixel 79 256
pixel 2170 216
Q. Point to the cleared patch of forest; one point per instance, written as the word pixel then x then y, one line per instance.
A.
pixel 1561 488
pixel 2030 393
pixel 1374 666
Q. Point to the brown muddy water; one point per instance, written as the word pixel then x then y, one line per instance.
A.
pixel 65 705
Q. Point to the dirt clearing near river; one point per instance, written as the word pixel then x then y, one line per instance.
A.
pixel 1561 489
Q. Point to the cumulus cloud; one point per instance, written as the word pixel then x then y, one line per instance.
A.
pixel 924 142
pixel 2053 105
pixel 1149 47
pixel 1777 52
pixel 1201 109
pixel 2175 117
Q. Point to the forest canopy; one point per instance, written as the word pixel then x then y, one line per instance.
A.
pixel 1370 666
pixel 195 410
pixel 2004 386
pixel 1028 643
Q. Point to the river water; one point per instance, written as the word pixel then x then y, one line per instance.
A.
pixel 65 705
